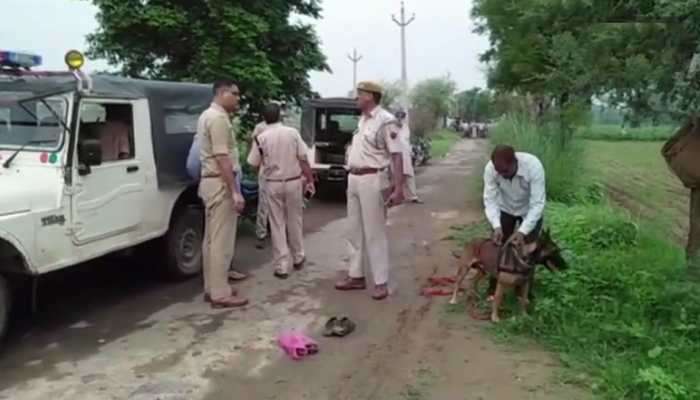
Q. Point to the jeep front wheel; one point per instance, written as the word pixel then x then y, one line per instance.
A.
pixel 5 306
pixel 184 243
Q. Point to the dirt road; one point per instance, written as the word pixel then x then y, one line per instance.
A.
pixel 116 333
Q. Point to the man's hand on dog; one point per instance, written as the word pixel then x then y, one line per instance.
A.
pixel 497 236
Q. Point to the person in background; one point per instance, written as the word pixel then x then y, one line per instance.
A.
pixel 408 171
pixel 281 156
pixel 115 132
pixel 222 198
pixel 514 196
pixel 262 214
pixel 375 145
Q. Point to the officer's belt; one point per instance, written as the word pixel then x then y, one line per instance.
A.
pixel 364 171
pixel 284 180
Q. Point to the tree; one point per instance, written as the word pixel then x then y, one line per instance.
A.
pixel 434 97
pixel 392 94
pixel 637 53
pixel 475 105
pixel 255 43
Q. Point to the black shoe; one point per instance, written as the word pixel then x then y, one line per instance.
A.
pixel 260 244
pixel 281 275
pixel 299 266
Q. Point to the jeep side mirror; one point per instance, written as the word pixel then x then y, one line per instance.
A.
pixel 89 154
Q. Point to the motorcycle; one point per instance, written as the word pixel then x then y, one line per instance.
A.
pixel 420 149
pixel 249 190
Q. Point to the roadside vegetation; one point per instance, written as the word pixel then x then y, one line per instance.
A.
pixel 615 132
pixel 441 142
pixel 623 318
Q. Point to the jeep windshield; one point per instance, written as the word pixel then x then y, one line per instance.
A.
pixel 38 121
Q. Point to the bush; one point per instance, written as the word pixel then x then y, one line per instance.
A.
pixel 563 162
pixel 624 312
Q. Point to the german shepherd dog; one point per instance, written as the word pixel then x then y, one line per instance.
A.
pixel 512 267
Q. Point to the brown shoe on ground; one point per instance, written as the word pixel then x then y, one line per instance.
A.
pixel 300 265
pixel 207 298
pixel 229 302
pixel 381 292
pixel 236 275
pixel 351 284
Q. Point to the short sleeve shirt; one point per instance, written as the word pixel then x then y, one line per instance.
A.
pixel 376 139
pixel 282 148
pixel 217 139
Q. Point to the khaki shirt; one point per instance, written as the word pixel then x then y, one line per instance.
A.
pixel 282 148
pixel 214 128
pixel 376 139
pixel 259 128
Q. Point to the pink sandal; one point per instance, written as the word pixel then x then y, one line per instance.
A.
pixel 297 345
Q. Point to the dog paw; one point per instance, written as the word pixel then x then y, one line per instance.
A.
pixel 453 301
pixel 495 318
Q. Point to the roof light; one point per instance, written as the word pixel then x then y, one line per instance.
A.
pixel 19 60
pixel 74 59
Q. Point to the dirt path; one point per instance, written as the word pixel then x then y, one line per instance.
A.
pixel 169 345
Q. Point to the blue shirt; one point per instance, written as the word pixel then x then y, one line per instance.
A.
pixel 194 164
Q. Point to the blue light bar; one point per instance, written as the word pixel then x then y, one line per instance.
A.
pixel 19 60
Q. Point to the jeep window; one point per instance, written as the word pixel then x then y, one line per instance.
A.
pixel 32 121
pixel 113 125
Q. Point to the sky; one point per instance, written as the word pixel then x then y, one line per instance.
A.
pixel 439 40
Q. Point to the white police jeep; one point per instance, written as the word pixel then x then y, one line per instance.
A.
pixel 90 165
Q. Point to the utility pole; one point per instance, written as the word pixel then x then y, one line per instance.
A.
pixel 403 23
pixel 355 58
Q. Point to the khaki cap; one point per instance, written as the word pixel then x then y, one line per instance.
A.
pixel 371 87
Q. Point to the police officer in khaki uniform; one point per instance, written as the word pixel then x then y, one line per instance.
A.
pixel 263 211
pixel 281 155
pixel 222 199
pixel 374 147
pixel 408 171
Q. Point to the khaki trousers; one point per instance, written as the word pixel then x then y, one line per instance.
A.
pixel 219 236
pixel 368 241
pixel 285 200
pixel 263 212
pixel 409 175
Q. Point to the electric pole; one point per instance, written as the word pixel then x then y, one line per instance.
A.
pixel 355 58
pixel 403 23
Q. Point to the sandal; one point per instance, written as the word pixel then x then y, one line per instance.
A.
pixel 339 327
pixel 310 344
pixel 293 345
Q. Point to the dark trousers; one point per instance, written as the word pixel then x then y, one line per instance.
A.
pixel 508 224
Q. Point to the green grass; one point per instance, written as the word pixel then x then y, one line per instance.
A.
pixel 637 178
pixel 617 133
pixel 441 143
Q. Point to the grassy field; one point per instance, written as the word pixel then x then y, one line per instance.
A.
pixel 441 142
pixel 637 178
pixel 618 133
